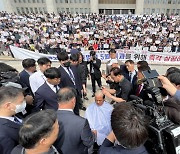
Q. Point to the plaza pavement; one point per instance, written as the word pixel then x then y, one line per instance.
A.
pixel 161 69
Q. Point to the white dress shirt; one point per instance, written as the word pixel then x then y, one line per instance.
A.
pixel 66 110
pixel 36 80
pixel 11 118
pixel 132 75
pixel 52 86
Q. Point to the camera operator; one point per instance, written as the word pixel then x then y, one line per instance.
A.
pixel 174 78
pixel 172 70
pixel 172 109
pixel 129 129
pixel 171 89
pixel 95 72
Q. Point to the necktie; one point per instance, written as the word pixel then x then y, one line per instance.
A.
pixel 138 90
pixel 55 86
pixel 16 120
pixel 130 76
pixel 71 75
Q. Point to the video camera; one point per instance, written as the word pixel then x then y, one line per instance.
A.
pixel 164 135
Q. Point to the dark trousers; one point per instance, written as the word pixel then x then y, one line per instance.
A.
pixel 93 80
pixel 78 103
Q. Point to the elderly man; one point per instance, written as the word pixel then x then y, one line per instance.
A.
pixel 99 121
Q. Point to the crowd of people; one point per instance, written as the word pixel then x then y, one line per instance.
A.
pixel 39 110
pixel 46 33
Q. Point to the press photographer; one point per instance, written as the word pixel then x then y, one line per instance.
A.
pixel 163 112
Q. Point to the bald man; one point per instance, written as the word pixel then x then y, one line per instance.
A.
pixel 99 121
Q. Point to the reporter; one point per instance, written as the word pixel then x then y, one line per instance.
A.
pixel 172 110
pixel 171 89
pixel 129 128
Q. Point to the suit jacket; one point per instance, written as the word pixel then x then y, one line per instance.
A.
pixel 66 80
pixel 108 148
pixel 45 98
pixel 96 66
pixel 134 82
pixel 143 93
pixel 24 78
pixel 8 135
pixel 20 150
pixel 75 136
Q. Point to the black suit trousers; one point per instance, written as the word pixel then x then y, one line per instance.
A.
pixel 94 80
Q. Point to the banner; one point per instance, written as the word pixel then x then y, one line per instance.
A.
pixel 20 53
pixel 135 55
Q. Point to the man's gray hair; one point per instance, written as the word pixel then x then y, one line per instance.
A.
pixel 66 94
pixel 99 93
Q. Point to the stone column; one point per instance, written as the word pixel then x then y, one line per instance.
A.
pixel 51 6
pixel 94 6
pixel 139 6
pixel 7 6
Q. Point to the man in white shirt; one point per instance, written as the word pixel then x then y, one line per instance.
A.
pixel 112 54
pixel 38 78
pixel 99 121
pixel 11 102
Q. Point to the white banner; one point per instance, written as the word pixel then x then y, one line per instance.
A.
pixel 21 53
pixel 150 57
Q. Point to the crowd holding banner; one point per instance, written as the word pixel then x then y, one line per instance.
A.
pixel 135 55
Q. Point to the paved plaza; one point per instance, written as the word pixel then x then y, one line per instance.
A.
pixel 161 69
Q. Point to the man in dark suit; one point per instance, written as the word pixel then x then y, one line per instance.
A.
pixel 29 66
pixel 11 102
pixel 129 128
pixel 40 135
pixel 75 136
pixel 140 90
pixel 95 72
pixel 132 75
pixel 46 95
pixel 70 77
